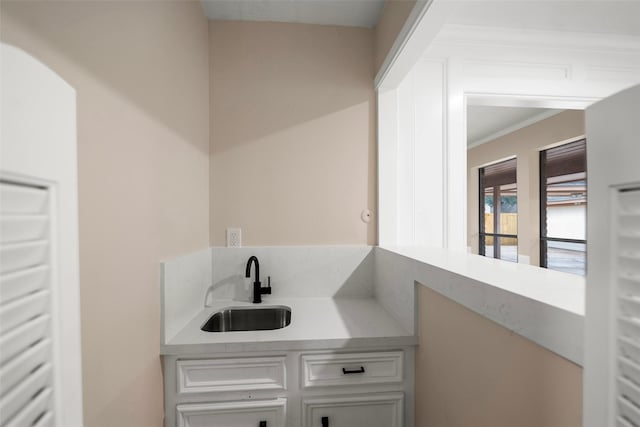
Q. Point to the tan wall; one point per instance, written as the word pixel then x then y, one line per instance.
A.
pixel 141 76
pixel 392 19
pixel 472 372
pixel 292 133
pixel 525 143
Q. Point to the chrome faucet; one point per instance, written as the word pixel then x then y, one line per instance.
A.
pixel 258 290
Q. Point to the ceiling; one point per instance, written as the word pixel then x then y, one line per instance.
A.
pixel 595 16
pixel 350 13
pixel 485 123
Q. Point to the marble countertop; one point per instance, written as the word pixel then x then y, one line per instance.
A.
pixel 561 290
pixel 316 323
pixel 544 306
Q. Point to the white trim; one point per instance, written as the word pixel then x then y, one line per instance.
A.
pixel 613 305
pixel 387 166
pixel 564 102
pixel 408 29
pixel 445 152
pixel 517 126
pixel 477 35
pixel 419 30
pixel 496 161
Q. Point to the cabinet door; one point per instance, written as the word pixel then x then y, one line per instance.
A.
pixel 269 413
pixel 374 410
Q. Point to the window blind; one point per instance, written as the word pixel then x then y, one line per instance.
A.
pixel 628 310
pixel 26 362
pixel 566 159
pixel 498 174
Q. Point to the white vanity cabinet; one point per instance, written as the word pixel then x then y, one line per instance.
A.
pixel 313 388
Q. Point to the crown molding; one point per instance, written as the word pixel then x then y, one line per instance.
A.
pixel 510 129
pixel 476 35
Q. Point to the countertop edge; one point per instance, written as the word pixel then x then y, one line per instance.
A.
pixel 293 345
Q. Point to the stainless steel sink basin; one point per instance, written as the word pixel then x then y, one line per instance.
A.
pixel 248 319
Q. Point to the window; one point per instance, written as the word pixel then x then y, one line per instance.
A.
pixel 563 208
pixel 499 211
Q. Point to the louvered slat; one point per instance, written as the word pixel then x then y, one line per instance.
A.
pixel 627 277
pixel 22 337
pixel 629 390
pixel 629 202
pixel 20 366
pixel 33 412
pixel 628 325
pixel 629 370
pixel 629 349
pixel 630 306
pixel 19 311
pixel 23 282
pixel 18 256
pixel 630 223
pixel 46 420
pixel 20 228
pixel 26 363
pixel 630 267
pixel 628 255
pixel 621 422
pixel 22 395
pixel 23 199
pixel 629 411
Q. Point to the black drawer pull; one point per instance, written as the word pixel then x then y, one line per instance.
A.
pixel 357 371
pixel 263 424
pixel 325 421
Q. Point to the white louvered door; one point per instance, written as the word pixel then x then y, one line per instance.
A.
pixel 40 348
pixel 26 356
pixel 628 285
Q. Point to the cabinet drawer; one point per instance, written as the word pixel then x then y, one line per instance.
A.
pixel 372 410
pixel 320 370
pixel 224 375
pixel 266 413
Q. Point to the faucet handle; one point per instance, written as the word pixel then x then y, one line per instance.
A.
pixel 267 290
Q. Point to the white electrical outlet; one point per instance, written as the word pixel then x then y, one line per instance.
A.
pixel 234 237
